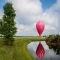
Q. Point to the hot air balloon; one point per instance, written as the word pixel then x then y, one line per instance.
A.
pixel 40 52
pixel 40 27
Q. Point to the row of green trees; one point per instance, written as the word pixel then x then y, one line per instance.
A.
pixel 53 41
pixel 7 24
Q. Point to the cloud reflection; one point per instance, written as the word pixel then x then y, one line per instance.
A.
pixel 49 54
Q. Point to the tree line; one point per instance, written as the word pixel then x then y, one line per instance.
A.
pixel 53 41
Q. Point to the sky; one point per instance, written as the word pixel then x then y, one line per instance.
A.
pixel 29 12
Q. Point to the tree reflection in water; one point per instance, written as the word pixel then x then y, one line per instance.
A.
pixel 53 41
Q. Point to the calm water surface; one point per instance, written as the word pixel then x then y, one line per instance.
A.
pixel 49 53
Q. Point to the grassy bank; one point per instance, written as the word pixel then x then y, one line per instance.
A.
pixel 19 51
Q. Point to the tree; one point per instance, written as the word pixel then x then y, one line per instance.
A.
pixel 8 27
pixel 53 41
pixel 1 27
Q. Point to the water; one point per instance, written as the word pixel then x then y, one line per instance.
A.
pixel 49 53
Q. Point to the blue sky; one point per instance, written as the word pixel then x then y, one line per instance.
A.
pixel 28 12
pixel 2 2
pixel 47 3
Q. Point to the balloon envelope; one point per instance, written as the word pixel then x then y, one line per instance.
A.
pixel 40 52
pixel 40 27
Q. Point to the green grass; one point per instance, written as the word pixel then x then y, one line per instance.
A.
pixel 18 51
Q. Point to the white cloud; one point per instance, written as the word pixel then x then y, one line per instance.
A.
pixel 57 5
pixel 27 6
pixel 27 10
pixel 30 11
pixel 49 27
pixel 26 30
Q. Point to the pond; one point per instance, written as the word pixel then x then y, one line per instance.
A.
pixel 49 53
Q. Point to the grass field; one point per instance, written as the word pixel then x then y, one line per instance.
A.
pixel 18 51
